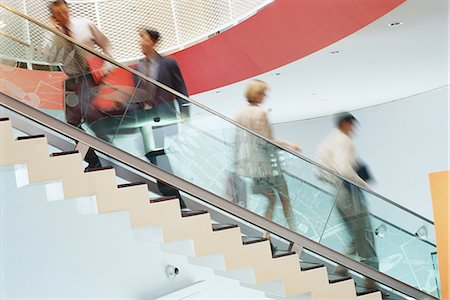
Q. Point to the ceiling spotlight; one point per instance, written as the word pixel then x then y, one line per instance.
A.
pixel 217 92
pixel 335 52
pixel 394 24
pixel 277 74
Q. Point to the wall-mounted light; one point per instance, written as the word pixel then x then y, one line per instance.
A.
pixel 381 231
pixel 422 232
pixel 172 271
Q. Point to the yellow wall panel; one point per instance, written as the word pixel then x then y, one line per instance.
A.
pixel 440 193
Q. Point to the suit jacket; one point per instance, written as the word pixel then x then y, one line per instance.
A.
pixel 168 74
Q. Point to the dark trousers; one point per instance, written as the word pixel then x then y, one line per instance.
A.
pixel 351 205
pixel 107 124
pixel 77 105
pixel 162 161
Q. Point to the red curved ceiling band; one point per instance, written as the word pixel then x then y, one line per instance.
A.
pixel 283 32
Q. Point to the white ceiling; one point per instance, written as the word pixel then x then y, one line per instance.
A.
pixel 376 64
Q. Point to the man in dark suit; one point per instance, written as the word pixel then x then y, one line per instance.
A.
pixel 161 103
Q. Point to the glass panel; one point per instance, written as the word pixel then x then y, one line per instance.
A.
pixel 434 258
pixel 210 151
pixel 356 230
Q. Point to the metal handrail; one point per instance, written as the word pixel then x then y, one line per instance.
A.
pixel 206 196
pixel 179 95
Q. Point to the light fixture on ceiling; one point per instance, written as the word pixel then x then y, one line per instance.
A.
pixel 335 52
pixel 395 24
pixel 2 24
pixel 277 74
pixel 217 92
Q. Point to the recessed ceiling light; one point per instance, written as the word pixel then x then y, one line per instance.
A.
pixel 2 24
pixel 217 92
pixel 277 74
pixel 394 24
pixel 335 52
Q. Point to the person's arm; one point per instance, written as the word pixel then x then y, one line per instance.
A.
pixel 180 86
pixel 345 160
pixel 266 130
pixel 100 39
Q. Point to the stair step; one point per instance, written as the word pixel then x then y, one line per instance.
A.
pixel 191 213
pixel 366 292
pixel 336 280
pixel 4 119
pixel 124 185
pixel 308 268
pixel 29 137
pixel 284 254
pixel 97 169
pixel 246 240
pixel 63 153
pixel 218 227
pixel 162 199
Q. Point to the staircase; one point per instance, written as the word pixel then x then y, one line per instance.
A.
pixel 249 260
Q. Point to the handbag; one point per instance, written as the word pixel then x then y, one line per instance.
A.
pixel 363 171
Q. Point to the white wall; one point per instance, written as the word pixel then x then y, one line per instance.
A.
pixel 49 251
pixel 401 141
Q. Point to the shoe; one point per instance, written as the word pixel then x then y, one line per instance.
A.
pixel 340 270
pixel 370 284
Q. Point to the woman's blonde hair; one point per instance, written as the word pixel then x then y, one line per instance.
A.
pixel 254 88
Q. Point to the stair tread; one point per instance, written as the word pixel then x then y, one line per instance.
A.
pixel 29 137
pixel 247 240
pixel 307 268
pixel 336 280
pixel 162 199
pixel 124 185
pixel 283 254
pixel 191 213
pixel 218 227
pixel 362 293
pixel 55 154
pixel 97 169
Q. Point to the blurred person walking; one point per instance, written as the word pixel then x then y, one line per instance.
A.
pixel 258 159
pixel 82 77
pixel 338 153
pixel 162 105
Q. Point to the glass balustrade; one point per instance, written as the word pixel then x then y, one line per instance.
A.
pixel 185 138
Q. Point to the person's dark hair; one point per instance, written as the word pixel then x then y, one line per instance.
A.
pixel 56 2
pixel 153 34
pixel 344 116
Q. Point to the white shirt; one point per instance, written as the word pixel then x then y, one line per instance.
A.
pixel 337 153
pixel 254 155
pixel 84 32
